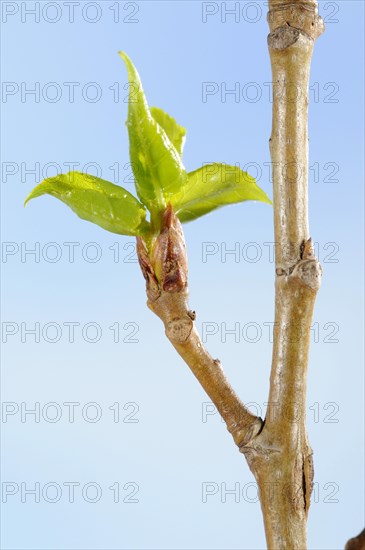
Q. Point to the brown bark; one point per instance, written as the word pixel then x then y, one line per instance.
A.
pixel 165 271
pixel 280 456
pixel 277 450
pixel 357 543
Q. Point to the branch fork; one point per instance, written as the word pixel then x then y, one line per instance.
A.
pixel 277 448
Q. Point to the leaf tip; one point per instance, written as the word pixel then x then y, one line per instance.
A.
pixel 38 190
pixel 28 198
pixel 267 199
pixel 124 56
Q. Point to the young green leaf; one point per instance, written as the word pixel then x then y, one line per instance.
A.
pixel 213 186
pixel 96 200
pixel 175 132
pixel 157 166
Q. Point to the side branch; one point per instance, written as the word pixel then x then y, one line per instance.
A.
pixel 183 335
pixel 164 267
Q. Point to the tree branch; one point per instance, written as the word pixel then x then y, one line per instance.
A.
pixel 165 270
pixel 280 456
pixel 357 543
pixel 277 450
pixel 181 331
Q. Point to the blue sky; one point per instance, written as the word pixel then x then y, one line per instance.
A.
pixel 141 423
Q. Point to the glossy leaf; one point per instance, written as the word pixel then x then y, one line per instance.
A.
pixel 157 166
pixel 175 132
pixel 96 200
pixel 213 186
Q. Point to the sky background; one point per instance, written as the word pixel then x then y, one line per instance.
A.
pixel 118 416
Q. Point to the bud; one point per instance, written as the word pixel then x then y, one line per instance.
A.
pixel 169 259
pixel 166 267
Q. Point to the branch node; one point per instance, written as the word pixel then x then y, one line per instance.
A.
pixel 307 269
pixel 283 37
pixel 245 435
pixel 179 330
pixel 309 272
pixel 299 16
